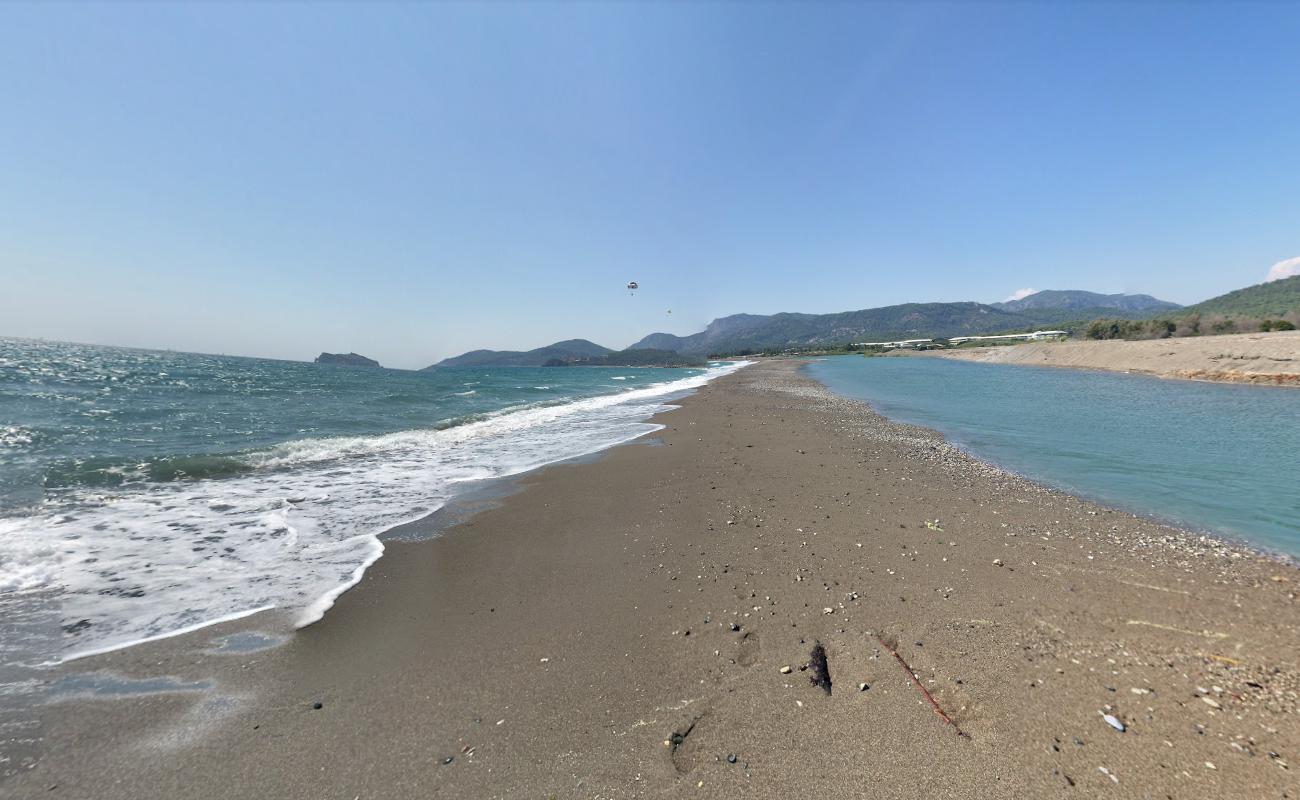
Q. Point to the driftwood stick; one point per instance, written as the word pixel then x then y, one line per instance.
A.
pixel 912 675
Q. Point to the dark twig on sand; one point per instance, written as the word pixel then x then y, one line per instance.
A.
pixel 821 669
pixel 933 703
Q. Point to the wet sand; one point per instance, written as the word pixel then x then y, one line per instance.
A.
pixel 622 628
pixel 1268 358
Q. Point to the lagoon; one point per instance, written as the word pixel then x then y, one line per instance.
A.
pixel 1222 458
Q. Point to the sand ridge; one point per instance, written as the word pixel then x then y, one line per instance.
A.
pixel 1268 358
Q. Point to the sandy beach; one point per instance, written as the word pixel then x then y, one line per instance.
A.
pixel 639 625
pixel 1271 358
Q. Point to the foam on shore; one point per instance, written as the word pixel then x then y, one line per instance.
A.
pixel 296 529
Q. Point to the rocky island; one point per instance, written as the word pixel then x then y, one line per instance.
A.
pixel 346 360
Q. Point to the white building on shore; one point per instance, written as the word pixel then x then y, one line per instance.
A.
pixel 1028 337
pixel 901 343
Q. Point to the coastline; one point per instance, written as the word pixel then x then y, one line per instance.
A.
pixel 573 610
pixel 1271 359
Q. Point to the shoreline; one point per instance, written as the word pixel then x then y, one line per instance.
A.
pixel 488 493
pixel 1274 357
pixel 1238 543
pixel 517 581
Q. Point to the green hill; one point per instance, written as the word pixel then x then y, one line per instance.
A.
pixel 568 350
pixel 1272 299
pixel 1076 301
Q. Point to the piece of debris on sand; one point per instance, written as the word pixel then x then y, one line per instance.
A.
pixel 820 669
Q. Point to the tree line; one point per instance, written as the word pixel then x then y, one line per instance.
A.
pixel 1190 325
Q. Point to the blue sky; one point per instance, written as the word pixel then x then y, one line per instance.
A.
pixel 410 181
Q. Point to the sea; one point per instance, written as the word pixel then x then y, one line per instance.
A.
pixel 1210 457
pixel 153 493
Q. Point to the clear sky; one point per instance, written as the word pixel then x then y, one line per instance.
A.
pixel 410 181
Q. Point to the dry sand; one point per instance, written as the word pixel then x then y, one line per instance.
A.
pixel 621 629
pixel 1242 358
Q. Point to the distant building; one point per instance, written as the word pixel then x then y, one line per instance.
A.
pixel 902 343
pixel 1035 336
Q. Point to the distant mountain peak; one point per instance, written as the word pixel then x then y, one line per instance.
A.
pixel 1064 299
pixel 1020 294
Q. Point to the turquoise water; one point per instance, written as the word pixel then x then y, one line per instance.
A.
pixel 157 492
pixel 1215 457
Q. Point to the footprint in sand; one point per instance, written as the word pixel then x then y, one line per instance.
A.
pixel 748 650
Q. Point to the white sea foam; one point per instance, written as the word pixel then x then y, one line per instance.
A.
pixel 294 532
pixel 27 563
pixel 16 436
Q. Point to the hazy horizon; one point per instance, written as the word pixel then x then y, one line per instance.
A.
pixel 410 182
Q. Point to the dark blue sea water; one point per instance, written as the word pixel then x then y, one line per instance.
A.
pixel 159 491
pixel 1215 457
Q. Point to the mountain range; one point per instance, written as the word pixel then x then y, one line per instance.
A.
pixel 741 333
pixel 750 332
